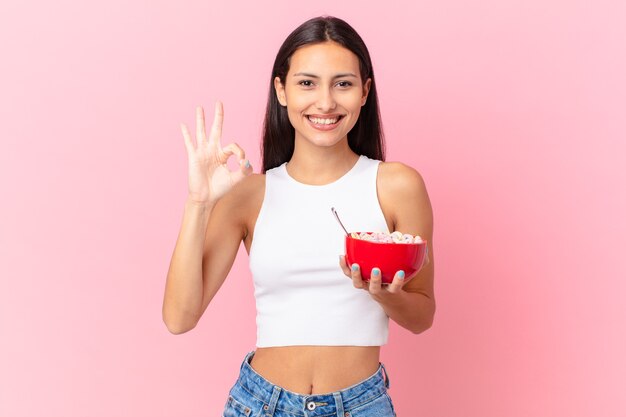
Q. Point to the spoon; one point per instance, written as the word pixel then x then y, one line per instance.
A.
pixel 337 217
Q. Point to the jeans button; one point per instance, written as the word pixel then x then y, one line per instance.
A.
pixel 310 405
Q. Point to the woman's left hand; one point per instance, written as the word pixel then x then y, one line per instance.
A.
pixel 375 287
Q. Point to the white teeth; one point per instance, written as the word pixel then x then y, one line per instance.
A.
pixel 323 121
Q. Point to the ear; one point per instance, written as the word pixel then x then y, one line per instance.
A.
pixel 280 91
pixel 366 91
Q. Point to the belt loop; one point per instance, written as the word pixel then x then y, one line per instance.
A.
pixel 271 407
pixel 386 375
pixel 247 359
pixel 338 404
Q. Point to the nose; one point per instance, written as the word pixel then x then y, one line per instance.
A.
pixel 325 100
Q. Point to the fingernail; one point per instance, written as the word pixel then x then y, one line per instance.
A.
pixel 401 274
pixel 247 164
pixel 376 271
pixel 355 267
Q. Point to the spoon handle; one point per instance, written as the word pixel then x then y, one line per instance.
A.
pixel 337 217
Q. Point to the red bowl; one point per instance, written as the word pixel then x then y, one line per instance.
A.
pixel 388 257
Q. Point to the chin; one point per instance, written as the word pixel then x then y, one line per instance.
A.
pixel 323 142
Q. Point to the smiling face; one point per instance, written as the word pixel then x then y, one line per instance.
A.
pixel 323 93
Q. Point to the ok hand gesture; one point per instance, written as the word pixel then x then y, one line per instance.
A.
pixel 209 176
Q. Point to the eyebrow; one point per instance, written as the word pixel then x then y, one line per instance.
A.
pixel 347 74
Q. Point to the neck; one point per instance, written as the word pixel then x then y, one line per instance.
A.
pixel 319 165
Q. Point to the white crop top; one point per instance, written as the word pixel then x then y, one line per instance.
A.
pixel 302 295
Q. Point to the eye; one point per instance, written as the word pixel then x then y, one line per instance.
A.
pixel 346 83
pixel 304 81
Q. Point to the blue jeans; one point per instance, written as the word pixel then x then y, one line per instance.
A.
pixel 254 396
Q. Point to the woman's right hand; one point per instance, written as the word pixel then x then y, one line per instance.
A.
pixel 209 176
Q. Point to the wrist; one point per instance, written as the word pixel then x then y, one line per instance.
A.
pixel 201 204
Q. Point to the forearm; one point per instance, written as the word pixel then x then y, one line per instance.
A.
pixel 411 310
pixel 184 287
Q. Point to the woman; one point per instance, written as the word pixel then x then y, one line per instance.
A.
pixel 318 333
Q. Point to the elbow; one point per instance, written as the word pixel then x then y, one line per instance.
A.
pixel 426 322
pixel 422 328
pixel 178 325
pixel 177 329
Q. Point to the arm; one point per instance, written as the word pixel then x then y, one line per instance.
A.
pixel 183 288
pixel 212 225
pixel 414 307
pixel 410 302
pixel 204 254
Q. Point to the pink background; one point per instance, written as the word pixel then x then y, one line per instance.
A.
pixel 513 111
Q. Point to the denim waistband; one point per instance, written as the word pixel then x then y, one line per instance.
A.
pixel 314 404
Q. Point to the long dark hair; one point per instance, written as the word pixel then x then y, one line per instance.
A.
pixel 365 138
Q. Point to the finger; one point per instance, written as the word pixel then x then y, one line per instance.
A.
pixel 375 281
pixel 232 149
pixel 187 138
pixel 200 130
pixel 397 283
pixel 218 119
pixel 357 281
pixel 344 266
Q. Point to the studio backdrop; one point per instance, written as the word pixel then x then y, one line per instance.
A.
pixel 512 111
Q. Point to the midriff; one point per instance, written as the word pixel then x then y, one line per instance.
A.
pixel 310 370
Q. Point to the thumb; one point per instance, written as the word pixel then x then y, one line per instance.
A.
pixel 245 166
pixel 245 169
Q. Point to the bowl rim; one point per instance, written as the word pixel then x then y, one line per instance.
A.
pixel 423 242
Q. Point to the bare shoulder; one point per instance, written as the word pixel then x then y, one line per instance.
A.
pixel 400 177
pixel 402 191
